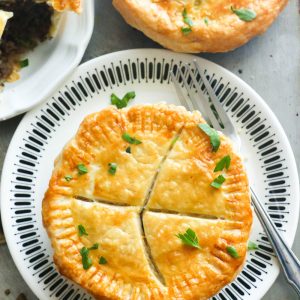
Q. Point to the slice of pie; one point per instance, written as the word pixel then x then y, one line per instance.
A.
pixel 133 209
pixel 23 25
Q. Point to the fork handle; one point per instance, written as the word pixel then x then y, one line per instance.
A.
pixel 289 262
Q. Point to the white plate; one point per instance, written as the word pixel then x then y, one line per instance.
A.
pixel 49 64
pixel 43 132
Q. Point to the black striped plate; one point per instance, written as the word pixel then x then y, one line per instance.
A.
pixel 43 132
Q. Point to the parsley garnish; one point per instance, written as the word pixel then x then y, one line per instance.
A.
pixel 112 168
pixel 213 136
pixel 232 252
pixel 128 150
pixel 82 169
pixel 244 14
pixel 188 21
pixel 81 230
pixel 86 261
pixel 120 103
pixel 68 177
pixel 24 63
pixel 252 246
pixel 102 260
pixel 205 21
pixel 186 30
pixel 94 247
pixel 217 183
pixel 189 238
pixel 131 140
pixel 224 163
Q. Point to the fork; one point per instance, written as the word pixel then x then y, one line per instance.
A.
pixel 214 113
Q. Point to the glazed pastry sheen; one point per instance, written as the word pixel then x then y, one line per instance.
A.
pixel 214 26
pixel 160 187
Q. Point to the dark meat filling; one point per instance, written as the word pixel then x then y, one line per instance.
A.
pixel 29 26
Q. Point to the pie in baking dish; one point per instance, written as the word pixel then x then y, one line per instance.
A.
pixel 23 25
pixel 132 210
pixel 200 25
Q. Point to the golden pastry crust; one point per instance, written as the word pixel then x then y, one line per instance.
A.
pixel 183 182
pixel 162 20
pixel 135 228
pixel 61 5
pixel 201 273
pixel 99 142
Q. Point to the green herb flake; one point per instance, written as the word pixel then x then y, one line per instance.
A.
pixel 189 238
pixel 102 261
pixel 186 19
pixel 232 252
pixel 252 246
pixel 121 103
pixel 81 230
pixel 186 30
pixel 82 169
pixel 217 183
pixel 128 150
pixel 112 168
pixel 131 140
pixel 244 14
pixel 205 21
pixel 86 260
pixel 68 178
pixel 224 163
pixel 213 136
pixel 24 63
pixel 94 247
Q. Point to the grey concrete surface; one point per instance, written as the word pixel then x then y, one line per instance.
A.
pixel 269 63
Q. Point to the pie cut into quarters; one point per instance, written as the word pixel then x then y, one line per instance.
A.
pixel 200 25
pixel 126 188
pixel 23 25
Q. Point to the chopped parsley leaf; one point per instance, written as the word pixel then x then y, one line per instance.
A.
pixel 252 246
pixel 213 136
pixel 24 63
pixel 86 261
pixel 131 140
pixel 224 163
pixel 231 250
pixel 189 238
pixel 81 230
pixel 68 177
pixel 82 169
pixel 112 168
pixel 128 149
pixel 244 14
pixel 102 260
pixel 217 183
pixel 120 103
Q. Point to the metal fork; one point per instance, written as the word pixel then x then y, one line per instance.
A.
pixel 214 113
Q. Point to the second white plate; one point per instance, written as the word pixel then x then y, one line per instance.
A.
pixel 49 64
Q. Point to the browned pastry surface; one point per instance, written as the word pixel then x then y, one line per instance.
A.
pixel 161 188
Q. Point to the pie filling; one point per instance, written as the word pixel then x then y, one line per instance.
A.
pixel 29 26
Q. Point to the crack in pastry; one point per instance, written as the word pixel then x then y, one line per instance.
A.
pixel 172 144
pixel 85 199
pixel 193 215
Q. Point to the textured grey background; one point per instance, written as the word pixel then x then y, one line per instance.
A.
pixel 269 63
